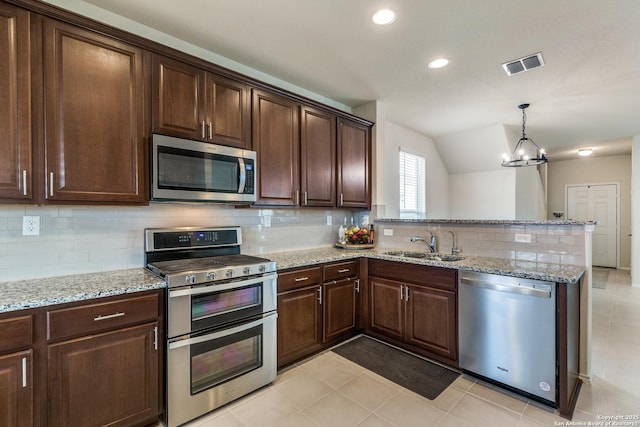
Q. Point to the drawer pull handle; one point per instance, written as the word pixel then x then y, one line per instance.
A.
pixel 109 316
pixel 343 270
pixel 301 279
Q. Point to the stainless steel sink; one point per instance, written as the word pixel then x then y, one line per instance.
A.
pixel 407 254
pixel 445 257
pixel 425 255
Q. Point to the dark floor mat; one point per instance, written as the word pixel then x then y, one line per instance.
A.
pixel 404 369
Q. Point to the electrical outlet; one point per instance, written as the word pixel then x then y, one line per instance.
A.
pixel 523 238
pixel 30 225
pixel 388 231
pixel 329 220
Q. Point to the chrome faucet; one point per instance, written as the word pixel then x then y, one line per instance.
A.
pixel 454 250
pixel 432 243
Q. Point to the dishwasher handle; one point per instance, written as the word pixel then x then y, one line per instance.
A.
pixel 501 287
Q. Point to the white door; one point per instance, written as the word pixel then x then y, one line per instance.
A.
pixel 597 202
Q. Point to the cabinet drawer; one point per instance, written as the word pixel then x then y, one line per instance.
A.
pixel 87 319
pixel 15 333
pixel 435 277
pixel 340 270
pixel 299 278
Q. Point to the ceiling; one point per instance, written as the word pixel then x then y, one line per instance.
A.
pixel 586 95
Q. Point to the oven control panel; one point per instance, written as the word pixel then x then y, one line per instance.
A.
pixel 172 239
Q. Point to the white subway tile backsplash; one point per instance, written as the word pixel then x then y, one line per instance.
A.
pixel 552 244
pixel 84 239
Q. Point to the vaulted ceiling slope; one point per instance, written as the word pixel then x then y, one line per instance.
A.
pixel 586 94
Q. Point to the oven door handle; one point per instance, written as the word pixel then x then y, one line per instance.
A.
pixel 220 334
pixel 224 287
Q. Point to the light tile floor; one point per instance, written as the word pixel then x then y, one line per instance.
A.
pixel 329 391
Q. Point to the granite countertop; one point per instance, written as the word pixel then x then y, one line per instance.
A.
pixel 23 294
pixel 506 267
pixel 486 221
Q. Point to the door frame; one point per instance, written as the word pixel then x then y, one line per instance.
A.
pixel 617 185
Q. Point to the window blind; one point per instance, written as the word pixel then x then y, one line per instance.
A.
pixel 412 186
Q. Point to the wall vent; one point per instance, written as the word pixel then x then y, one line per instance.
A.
pixel 523 64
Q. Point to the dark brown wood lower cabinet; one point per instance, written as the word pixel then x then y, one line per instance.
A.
pixel 339 300
pixel 299 323
pixel 420 316
pixel 387 307
pixel 106 379
pixel 16 389
pixel 431 320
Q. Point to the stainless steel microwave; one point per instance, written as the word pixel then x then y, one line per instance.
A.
pixel 193 171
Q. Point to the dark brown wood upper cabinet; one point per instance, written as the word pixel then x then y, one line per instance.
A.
pixel 354 163
pixel 317 157
pixel 227 112
pixel 177 92
pixel 276 138
pixel 94 117
pixel 16 161
pixel 191 103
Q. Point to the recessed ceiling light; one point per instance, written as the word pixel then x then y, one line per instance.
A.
pixel 438 63
pixel 585 151
pixel 384 17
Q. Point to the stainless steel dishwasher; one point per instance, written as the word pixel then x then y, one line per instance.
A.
pixel 507 332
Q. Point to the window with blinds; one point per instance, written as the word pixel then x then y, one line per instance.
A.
pixel 412 186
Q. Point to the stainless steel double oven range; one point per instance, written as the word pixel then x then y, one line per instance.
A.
pixel 221 318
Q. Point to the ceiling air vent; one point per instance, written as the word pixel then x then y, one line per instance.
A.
pixel 523 64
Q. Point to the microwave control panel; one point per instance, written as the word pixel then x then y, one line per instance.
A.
pixel 250 176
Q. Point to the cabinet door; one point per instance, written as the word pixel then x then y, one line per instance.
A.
pixel 16 172
pixel 94 117
pixel 299 323
pixel 339 300
pixel 317 157
pixel 107 379
pixel 16 389
pixel 276 139
pixel 386 307
pixel 227 112
pixel 354 158
pixel 177 91
pixel 431 320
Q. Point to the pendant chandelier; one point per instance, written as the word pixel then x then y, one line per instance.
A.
pixel 526 151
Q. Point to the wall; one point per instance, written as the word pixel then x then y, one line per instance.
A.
pixel 483 195
pixel 388 138
pixel 635 211
pixel 81 239
pixel 437 190
pixel 593 170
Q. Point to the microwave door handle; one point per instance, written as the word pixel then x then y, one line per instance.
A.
pixel 243 175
